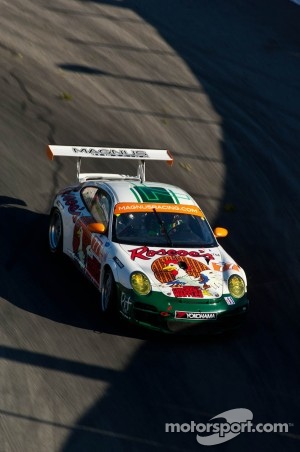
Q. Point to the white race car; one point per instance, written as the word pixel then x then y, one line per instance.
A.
pixel 146 246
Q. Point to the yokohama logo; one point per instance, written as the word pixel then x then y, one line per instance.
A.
pixel 195 315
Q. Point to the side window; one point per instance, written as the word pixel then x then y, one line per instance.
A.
pixel 88 194
pixel 98 203
pixel 100 207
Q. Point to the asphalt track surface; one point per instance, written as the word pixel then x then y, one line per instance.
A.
pixel 217 83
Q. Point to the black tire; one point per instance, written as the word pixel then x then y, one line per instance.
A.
pixel 55 232
pixel 108 293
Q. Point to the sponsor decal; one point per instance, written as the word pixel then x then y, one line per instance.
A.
pixel 187 291
pixel 186 277
pixel 118 262
pixel 229 300
pixel 159 194
pixel 131 207
pixel 106 152
pixel 96 245
pixel 87 250
pixel 74 207
pixel 195 315
pixel 145 253
pixel 225 266
pixel 126 305
pixel 152 194
pixel 168 270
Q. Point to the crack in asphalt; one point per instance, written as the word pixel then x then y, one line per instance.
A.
pixel 43 118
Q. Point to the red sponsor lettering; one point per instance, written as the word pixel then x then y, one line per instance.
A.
pixel 145 253
pixel 187 291
pixel 182 253
pixel 96 246
pixel 180 315
pixel 140 253
pixel 71 202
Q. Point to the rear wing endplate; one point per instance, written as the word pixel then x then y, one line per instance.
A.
pixel 141 155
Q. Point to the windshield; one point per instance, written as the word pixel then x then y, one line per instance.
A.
pixel 161 229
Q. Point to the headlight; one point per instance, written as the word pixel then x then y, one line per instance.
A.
pixel 236 286
pixel 140 283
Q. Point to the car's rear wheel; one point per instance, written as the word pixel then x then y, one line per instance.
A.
pixel 108 293
pixel 55 232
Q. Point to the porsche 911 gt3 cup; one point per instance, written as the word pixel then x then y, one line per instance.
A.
pixel 146 246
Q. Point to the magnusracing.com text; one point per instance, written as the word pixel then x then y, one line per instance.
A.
pixel 238 421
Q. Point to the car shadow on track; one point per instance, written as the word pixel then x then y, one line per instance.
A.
pixel 51 286
pixel 36 281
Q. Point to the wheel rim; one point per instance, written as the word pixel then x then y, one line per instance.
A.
pixel 106 292
pixel 55 231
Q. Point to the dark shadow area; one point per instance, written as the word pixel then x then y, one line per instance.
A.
pixel 83 69
pixel 55 363
pixel 9 201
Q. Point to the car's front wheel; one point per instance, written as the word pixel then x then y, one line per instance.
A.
pixel 55 232
pixel 108 293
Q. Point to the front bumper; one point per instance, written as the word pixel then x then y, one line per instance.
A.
pixel 170 315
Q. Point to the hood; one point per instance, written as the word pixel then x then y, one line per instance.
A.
pixel 184 272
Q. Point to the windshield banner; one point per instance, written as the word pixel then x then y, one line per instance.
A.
pixel 132 207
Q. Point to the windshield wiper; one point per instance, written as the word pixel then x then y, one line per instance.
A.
pixel 164 229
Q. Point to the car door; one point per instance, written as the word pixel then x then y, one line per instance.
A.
pixel 89 246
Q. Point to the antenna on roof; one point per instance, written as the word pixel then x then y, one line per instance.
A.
pixel 141 173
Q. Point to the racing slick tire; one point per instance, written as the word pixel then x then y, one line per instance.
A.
pixel 55 232
pixel 108 293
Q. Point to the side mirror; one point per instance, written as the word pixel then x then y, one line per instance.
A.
pixel 220 232
pixel 98 228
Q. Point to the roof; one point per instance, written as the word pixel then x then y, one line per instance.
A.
pixel 135 191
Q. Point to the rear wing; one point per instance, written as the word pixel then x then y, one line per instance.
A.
pixel 141 155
